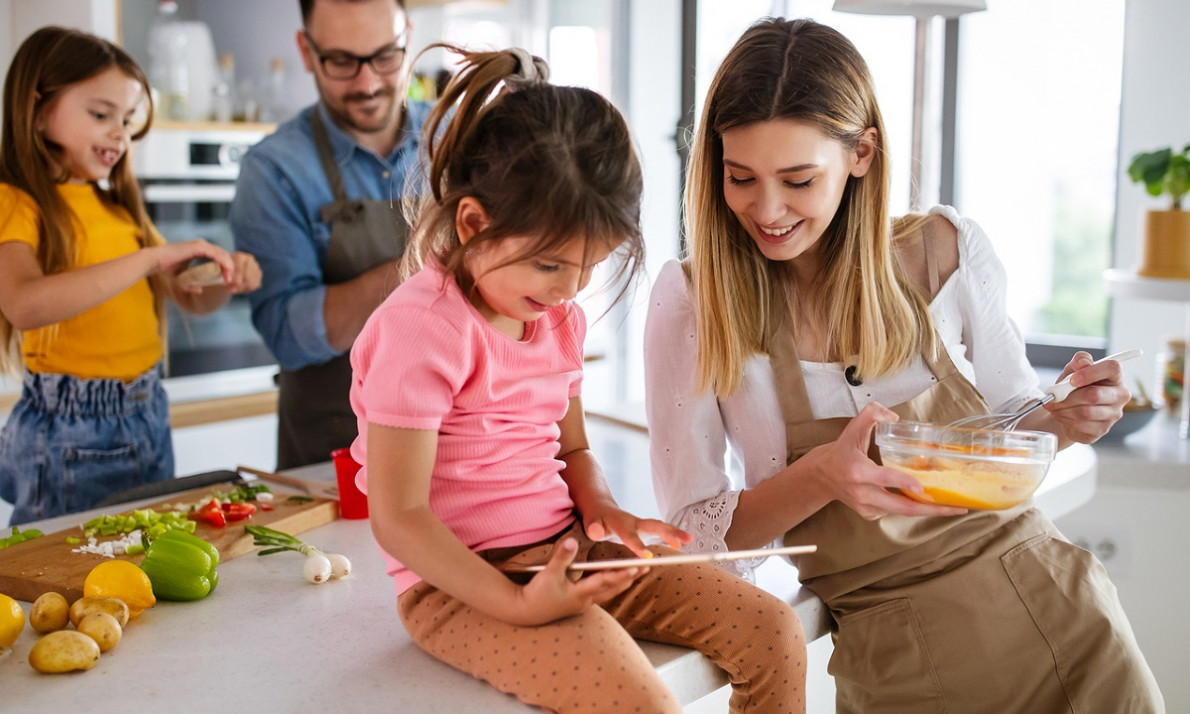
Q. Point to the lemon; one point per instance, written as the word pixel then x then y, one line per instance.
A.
pixel 123 580
pixel 12 620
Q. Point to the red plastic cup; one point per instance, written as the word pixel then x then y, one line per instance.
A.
pixel 353 503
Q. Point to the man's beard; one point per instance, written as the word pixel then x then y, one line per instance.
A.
pixel 368 122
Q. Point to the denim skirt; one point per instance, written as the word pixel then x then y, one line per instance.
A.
pixel 69 443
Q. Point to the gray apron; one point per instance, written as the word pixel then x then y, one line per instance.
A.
pixel 989 612
pixel 314 411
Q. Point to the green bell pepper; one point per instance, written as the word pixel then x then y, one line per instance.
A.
pixel 181 566
pixel 208 547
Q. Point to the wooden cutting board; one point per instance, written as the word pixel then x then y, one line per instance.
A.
pixel 47 564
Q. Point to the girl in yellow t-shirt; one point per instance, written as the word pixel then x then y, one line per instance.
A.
pixel 83 279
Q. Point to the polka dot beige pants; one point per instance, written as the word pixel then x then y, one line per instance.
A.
pixel 591 663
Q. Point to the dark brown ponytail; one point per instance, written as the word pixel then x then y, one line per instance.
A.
pixel 546 162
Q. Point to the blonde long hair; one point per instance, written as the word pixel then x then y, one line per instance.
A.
pixel 804 71
pixel 48 62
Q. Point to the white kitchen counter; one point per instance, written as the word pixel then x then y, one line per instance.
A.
pixel 1154 457
pixel 266 640
pixel 214 385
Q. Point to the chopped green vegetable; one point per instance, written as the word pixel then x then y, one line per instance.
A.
pixel 150 522
pixel 301 499
pixel 20 536
pixel 71 540
pixel 240 493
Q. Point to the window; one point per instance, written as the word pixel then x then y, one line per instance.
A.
pixel 1038 124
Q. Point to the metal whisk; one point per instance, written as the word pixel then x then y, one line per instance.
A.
pixel 1056 393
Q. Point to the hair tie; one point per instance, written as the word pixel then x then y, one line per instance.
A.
pixel 530 70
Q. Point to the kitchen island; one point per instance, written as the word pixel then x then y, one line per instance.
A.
pixel 267 640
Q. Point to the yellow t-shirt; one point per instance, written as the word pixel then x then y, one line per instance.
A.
pixel 117 339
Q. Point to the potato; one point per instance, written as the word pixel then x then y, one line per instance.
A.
pixel 103 628
pixel 50 612
pixel 63 651
pixel 86 605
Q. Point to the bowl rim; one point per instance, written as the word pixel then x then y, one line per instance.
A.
pixel 915 436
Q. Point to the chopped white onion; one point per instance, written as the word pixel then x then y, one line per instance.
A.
pixel 111 548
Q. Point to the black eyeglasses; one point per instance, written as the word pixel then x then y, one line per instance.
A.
pixel 344 65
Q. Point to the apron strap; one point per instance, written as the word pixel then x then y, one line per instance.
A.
pixel 787 366
pixel 326 155
pixel 927 242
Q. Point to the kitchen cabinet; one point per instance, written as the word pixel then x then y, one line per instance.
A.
pixel 248 441
pixel 224 419
pixel 1135 524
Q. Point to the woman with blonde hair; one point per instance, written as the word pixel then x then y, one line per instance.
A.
pixel 801 310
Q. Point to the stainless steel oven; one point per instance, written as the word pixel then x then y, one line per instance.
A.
pixel 187 178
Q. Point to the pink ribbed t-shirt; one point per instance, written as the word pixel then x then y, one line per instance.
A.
pixel 426 359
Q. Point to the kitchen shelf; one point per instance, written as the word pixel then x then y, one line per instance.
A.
pixel 213 126
pixel 1125 283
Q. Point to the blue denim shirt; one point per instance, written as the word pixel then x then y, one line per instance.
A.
pixel 275 217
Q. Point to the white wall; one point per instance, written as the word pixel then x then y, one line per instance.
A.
pixel 1155 112
pixel 96 16
pixel 22 17
pixel 6 38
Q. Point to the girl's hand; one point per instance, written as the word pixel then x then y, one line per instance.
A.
pixel 550 595
pixel 861 484
pixel 1097 401
pixel 246 274
pixel 172 258
pixel 628 528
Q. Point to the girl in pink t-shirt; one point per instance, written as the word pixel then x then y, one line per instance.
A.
pixel 475 458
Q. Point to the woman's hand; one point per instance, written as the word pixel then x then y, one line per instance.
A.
pixel 848 475
pixel 613 521
pixel 1096 403
pixel 551 595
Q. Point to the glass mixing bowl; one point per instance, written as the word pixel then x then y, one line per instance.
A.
pixel 970 468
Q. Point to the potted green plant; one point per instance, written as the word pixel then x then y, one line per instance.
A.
pixel 1165 252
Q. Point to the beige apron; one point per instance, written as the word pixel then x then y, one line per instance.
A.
pixel 314 411
pixel 989 612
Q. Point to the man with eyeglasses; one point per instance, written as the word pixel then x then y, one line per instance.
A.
pixel 319 204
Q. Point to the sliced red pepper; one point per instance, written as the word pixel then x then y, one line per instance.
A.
pixel 265 506
pixel 238 511
pixel 214 517
pixel 210 512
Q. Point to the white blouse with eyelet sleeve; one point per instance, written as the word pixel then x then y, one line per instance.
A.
pixel 690 432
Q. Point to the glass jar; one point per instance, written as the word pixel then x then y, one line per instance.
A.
pixel 1171 371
